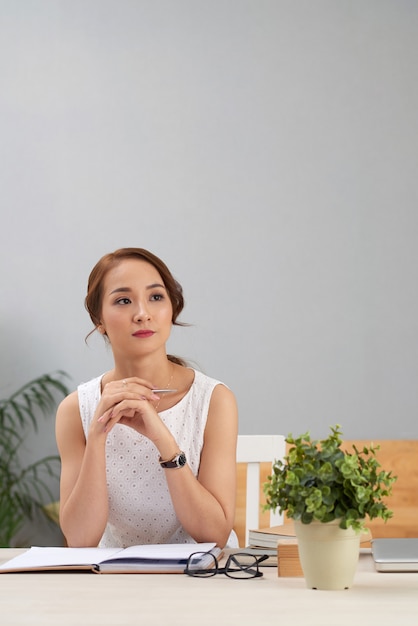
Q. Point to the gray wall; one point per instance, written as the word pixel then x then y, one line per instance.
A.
pixel 266 149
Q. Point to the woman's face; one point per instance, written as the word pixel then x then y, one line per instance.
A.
pixel 136 309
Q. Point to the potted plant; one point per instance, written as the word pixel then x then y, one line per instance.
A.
pixel 329 493
pixel 24 489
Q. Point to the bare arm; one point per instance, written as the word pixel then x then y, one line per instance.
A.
pixel 206 506
pixel 83 491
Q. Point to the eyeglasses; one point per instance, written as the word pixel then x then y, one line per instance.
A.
pixel 238 565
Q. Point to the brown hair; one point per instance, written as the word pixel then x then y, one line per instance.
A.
pixel 94 298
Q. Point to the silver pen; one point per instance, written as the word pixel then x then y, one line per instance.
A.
pixel 163 390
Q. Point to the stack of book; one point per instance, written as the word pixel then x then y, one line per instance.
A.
pixel 280 543
pixel 288 562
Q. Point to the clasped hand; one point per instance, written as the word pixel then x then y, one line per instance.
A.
pixel 129 402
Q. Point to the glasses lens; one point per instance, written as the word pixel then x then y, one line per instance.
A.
pixel 202 564
pixel 242 565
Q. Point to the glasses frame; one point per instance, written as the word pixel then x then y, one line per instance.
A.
pixel 232 565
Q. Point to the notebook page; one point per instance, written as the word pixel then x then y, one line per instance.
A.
pixel 49 557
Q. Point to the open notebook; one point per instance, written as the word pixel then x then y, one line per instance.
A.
pixel 161 558
pixel 395 555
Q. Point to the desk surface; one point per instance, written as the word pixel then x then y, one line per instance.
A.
pixel 49 599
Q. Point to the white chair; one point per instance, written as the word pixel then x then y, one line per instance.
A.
pixel 253 450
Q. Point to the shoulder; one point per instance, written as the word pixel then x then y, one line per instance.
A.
pixel 218 388
pixel 91 385
pixel 223 397
pixel 68 410
pixel 222 416
pixel 203 380
pixel 69 404
pixel 68 422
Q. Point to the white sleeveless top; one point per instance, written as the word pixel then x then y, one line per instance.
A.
pixel 140 506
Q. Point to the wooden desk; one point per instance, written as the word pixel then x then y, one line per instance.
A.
pixel 55 598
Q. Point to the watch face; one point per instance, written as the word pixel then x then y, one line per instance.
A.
pixel 178 461
pixel 181 459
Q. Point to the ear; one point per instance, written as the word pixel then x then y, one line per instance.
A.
pixel 101 329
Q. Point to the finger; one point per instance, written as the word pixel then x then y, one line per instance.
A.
pixel 105 417
pixel 129 406
pixel 124 418
pixel 110 418
pixel 132 387
pixel 121 392
pixel 134 380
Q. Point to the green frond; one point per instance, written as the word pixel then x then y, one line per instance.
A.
pixel 24 490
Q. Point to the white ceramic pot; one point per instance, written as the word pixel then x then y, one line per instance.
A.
pixel 328 554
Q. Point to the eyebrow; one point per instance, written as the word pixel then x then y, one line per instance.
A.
pixel 128 289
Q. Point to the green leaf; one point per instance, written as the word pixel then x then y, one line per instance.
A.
pixel 24 489
pixel 319 480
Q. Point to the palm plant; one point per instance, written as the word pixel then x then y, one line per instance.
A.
pixel 24 489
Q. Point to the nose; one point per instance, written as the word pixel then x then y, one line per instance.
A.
pixel 142 313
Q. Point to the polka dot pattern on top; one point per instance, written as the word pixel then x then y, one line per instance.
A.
pixel 140 507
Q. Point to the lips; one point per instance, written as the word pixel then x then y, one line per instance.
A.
pixel 143 334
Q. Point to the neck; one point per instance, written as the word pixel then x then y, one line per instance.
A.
pixel 158 371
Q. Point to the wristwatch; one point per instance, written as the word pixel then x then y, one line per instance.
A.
pixel 178 460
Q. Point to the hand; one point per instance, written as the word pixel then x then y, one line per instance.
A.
pixel 129 402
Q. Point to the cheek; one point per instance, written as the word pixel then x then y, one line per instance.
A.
pixel 167 313
pixel 167 317
pixel 111 318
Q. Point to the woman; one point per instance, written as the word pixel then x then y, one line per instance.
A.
pixel 139 466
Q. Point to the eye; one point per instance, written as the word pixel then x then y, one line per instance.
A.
pixel 123 301
pixel 156 297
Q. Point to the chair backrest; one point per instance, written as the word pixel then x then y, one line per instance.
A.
pixel 400 456
pixel 253 451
